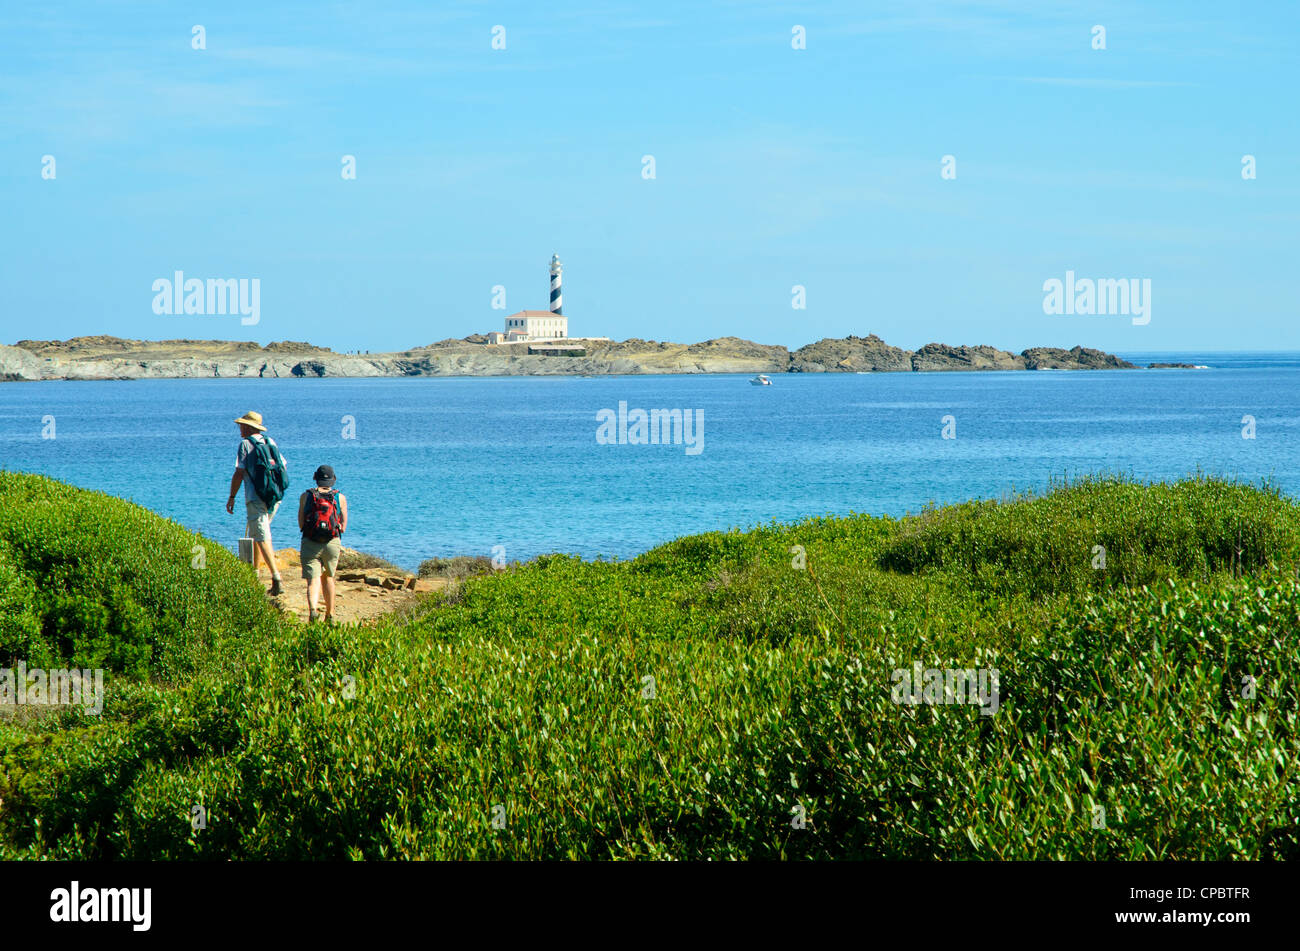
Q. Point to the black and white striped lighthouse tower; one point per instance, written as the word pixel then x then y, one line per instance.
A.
pixel 556 300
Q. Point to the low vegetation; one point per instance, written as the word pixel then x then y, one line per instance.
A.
pixel 351 560
pixel 724 696
pixel 92 581
pixel 462 566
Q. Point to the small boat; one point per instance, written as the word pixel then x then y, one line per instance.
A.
pixel 760 380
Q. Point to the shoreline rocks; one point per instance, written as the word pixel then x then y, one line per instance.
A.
pixel 1078 358
pixel 939 357
pixel 113 358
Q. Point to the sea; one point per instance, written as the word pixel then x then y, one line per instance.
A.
pixel 513 467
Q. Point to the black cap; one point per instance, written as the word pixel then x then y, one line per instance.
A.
pixel 324 476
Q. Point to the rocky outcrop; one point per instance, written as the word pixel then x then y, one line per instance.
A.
pixel 1078 358
pixel 939 356
pixel 112 358
pixel 851 354
pixel 19 364
pixel 871 354
pixel 292 346
pixel 101 345
pixel 731 355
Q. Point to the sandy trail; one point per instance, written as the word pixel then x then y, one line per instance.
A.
pixel 355 600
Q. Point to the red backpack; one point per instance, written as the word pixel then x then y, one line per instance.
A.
pixel 322 520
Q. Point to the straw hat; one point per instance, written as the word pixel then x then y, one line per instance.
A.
pixel 251 419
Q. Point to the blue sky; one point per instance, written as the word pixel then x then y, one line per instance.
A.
pixel 774 167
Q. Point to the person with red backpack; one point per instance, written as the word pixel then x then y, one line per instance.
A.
pixel 323 517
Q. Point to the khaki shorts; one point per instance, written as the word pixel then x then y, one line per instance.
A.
pixel 258 519
pixel 318 555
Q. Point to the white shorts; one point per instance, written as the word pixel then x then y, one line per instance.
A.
pixel 258 519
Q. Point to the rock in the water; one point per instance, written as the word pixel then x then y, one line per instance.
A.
pixel 1077 358
pixel 851 354
pixel 940 356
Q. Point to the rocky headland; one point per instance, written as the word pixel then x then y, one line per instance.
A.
pixel 113 358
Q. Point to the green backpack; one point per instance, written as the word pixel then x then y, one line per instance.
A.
pixel 267 470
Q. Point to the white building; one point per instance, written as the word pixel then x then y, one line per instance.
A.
pixel 542 324
pixel 536 325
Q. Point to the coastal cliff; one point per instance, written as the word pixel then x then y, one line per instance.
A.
pixel 113 358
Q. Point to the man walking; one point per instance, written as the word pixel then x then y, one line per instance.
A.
pixel 323 518
pixel 261 468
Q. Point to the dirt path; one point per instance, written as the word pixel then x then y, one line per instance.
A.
pixel 360 595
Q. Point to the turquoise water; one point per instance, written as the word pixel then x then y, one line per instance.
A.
pixel 445 466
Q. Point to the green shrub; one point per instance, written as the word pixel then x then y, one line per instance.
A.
pixel 462 566
pixel 694 701
pixel 20 622
pixel 1192 528
pixel 350 560
pixel 92 581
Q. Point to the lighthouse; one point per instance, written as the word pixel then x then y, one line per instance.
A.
pixel 541 324
pixel 556 270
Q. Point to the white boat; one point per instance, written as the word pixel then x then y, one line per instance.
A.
pixel 760 380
